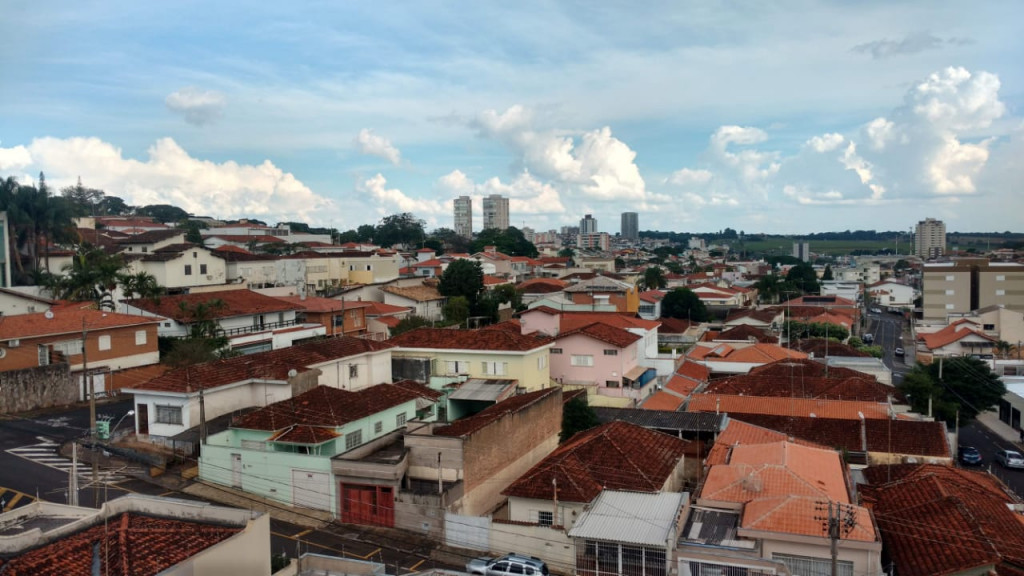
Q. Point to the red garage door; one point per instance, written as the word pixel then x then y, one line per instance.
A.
pixel 367 504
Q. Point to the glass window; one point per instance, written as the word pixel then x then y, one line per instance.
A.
pixel 188 269
pixel 140 337
pixel 104 342
pixel 353 370
pixel 582 360
pixel 353 439
pixel 378 427
pixel 556 350
pixel 400 420
pixel 610 352
pixel 202 268
pixel 545 518
pixel 168 414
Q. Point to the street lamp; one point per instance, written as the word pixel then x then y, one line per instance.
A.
pixel 114 429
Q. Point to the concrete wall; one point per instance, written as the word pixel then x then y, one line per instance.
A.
pixel 549 544
pixel 34 388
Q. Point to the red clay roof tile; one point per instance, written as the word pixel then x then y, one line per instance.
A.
pixel 448 339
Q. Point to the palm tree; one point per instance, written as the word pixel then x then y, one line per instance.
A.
pixel 653 279
pixel 92 275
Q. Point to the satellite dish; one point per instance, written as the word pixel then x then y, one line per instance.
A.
pixel 293 373
pixel 48 314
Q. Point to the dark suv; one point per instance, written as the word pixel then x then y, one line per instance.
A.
pixel 970 456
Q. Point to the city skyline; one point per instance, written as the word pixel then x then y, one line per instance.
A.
pixel 789 118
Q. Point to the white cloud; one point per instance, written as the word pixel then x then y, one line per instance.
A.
pixel 171 176
pixel 827 142
pixel 198 107
pixel 456 183
pixel 15 158
pixel 954 99
pixel 688 177
pixel 594 164
pixel 880 132
pixel 911 44
pixel 366 142
pixel 391 200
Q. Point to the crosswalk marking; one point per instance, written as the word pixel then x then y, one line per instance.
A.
pixel 45 453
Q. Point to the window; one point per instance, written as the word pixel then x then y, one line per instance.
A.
pixel 808 565
pixel 582 360
pixel 1000 278
pixel 1000 292
pixel 542 362
pixel 556 350
pixel 400 420
pixel 104 342
pixel 495 368
pixel 353 370
pixel 202 268
pixel 611 383
pixel 950 278
pixel 44 355
pixel 353 439
pixel 168 414
pixel 140 337
pixel 950 292
pixel 545 518
pixel 988 326
pixel 145 248
pixel 950 306
pixel 68 347
pixel 610 352
pixel 195 254
pixel 188 269
pixel 456 367
pixel 378 427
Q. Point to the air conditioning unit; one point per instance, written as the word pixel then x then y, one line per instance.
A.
pixel 209 276
pixel 14 343
pixel 3 352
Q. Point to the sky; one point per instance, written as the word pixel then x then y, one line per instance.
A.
pixel 786 117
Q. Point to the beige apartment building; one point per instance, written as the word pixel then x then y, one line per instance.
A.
pixel 967 284
pixel 930 238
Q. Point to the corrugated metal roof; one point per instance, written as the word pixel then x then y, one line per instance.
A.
pixel 663 420
pixel 482 389
pixel 631 517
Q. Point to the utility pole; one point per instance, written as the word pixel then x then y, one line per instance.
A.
pixel 839 522
pixel 92 414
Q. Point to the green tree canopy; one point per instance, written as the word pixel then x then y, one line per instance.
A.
pixel 967 385
pixel 653 279
pixel 404 229
pixel 163 212
pixel 577 416
pixel 463 278
pixel 509 241
pixel 456 309
pixel 410 323
pixel 827 274
pixel 92 275
pixel 804 278
pixel 683 303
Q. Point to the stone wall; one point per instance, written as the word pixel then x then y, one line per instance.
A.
pixel 35 388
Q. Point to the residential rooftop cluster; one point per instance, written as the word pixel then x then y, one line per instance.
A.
pixel 752 433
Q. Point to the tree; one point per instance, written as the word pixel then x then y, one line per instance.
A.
pixel 82 201
pixel 683 303
pixel 507 293
pixel 577 416
pixel 654 279
pixel 365 233
pixel 140 285
pixel 449 241
pixel 92 275
pixel 967 386
pixel 404 229
pixel 410 323
pixel 567 252
pixel 463 278
pixel 456 309
pixel 804 278
pixel 163 212
pixel 112 206
pixel 508 241
pixel 827 274
pixel 193 233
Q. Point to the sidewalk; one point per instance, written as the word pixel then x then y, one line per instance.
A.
pixel 1001 429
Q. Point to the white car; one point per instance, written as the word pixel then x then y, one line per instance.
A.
pixel 1010 458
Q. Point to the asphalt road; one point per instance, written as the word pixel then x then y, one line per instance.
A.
pixel 988 443
pixel 888 331
pixel 30 467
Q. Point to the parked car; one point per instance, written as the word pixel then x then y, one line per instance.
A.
pixel 1010 458
pixel 876 310
pixel 899 352
pixel 507 565
pixel 969 455
pixel 868 338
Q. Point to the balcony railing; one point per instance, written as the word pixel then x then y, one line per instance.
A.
pixel 260 328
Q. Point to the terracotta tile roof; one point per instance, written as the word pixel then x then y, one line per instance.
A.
pixel 66 320
pixel 764 316
pixel 273 365
pixel 233 249
pixel 759 353
pixel 662 400
pixel 476 422
pixel 943 520
pixel 449 339
pixel 830 318
pixel 778 468
pixel 490 280
pixel 908 437
pixel 133 545
pixel 737 406
pixel 956 331
pixel 572 320
pixel 822 348
pixel 380 308
pixel 304 435
pixel 541 286
pixel 738 432
pixel 745 332
pixel 389 321
pixel 317 304
pixel 674 325
pixel 151 236
pixel 244 239
pixel 693 371
pixel 798 515
pixel 512 325
pixel 652 296
pixel 828 300
pixel 804 378
pixel 236 303
pixel 422 390
pixel 606 333
pixel 605 457
pixel 415 293
pixel 324 406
